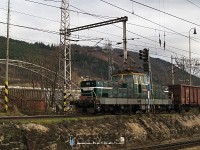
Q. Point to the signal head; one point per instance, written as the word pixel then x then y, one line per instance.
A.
pixel 140 54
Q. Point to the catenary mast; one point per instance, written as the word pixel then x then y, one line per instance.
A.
pixel 65 50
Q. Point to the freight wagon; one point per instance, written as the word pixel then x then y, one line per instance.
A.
pixel 185 96
pixel 27 99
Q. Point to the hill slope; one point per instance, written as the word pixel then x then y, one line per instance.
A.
pixel 86 61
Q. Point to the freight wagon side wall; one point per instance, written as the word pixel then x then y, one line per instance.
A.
pixel 195 96
pixel 186 97
pixel 198 98
pixel 176 90
pixel 185 94
pixel 191 95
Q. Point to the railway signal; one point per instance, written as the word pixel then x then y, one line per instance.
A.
pixel 145 55
pixel 140 54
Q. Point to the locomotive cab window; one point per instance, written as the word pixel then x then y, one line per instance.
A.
pixel 143 80
pixel 139 88
pixel 135 77
pixel 116 78
pixel 128 78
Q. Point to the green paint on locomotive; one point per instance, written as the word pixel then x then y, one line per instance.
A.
pixel 131 85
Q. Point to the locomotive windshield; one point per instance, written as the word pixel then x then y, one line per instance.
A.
pixel 128 78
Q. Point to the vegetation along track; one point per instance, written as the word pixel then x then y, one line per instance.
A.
pixel 172 146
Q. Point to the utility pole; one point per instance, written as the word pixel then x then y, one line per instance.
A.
pixel 110 60
pixel 183 62
pixel 144 55
pixel 195 32
pixel 7 57
pixel 172 70
pixel 65 50
pixel 124 43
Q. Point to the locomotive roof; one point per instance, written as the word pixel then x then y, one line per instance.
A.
pixel 128 71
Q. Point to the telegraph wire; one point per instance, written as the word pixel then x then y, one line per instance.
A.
pixel 52 0
pixel 94 15
pixel 54 31
pixel 136 51
pixel 149 28
pixel 69 9
pixel 121 28
pixel 151 47
pixel 59 7
pixel 43 4
pixel 145 19
pixel 145 46
pixel 157 29
pixel 31 15
pixel 116 46
pixel 153 40
pixel 48 31
pixel 158 48
pixel 165 13
pixel 193 3
pixel 149 21
pixel 92 29
pixel 32 28
pixel 110 17
pixel 169 33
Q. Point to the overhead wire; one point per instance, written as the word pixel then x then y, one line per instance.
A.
pixel 69 9
pixel 149 52
pixel 115 47
pixel 57 32
pixel 193 3
pixel 31 15
pixel 32 28
pixel 165 13
pixel 153 47
pixel 149 28
pixel 144 37
pixel 96 15
pixel 152 28
pixel 72 6
pixel 143 46
pixel 74 25
pixel 52 0
pixel 157 42
pixel 151 22
pixel 146 19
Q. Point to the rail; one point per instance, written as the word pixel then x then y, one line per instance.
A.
pixel 171 146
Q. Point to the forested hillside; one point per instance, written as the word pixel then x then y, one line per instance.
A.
pixel 86 61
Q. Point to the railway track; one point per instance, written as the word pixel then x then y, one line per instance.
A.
pixel 171 146
pixel 43 117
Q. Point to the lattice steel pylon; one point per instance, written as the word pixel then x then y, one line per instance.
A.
pixel 65 50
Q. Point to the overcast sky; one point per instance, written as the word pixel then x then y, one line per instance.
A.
pixel 48 18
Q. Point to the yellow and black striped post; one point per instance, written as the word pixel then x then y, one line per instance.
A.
pixel 6 95
pixel 65 101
